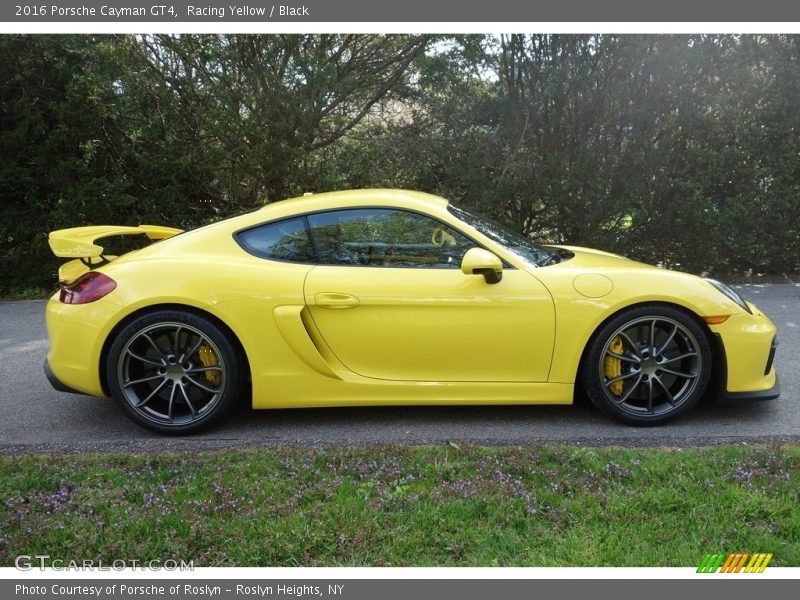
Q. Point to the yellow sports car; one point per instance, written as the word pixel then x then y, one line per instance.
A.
pixel 378 297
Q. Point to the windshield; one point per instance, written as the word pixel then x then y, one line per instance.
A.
pixel 513 241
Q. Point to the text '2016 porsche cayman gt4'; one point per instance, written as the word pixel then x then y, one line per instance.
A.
pixel 384 297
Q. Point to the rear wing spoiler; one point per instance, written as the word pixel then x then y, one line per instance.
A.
pixel 79 243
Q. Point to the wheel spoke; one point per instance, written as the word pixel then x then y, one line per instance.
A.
pixel 621 377
pixel 679 374
pixel 681 357
pixel 630 359
pixel 142 380
pixel 633 346
pixel 153 344
pixel 630 391
pixel 652 346
pixel 669 339
pixel 670 398
pixel 650 394
pixel 186 399
pixel 194 349
pixel 204 369
pixel 171 401
pixel 144 359
pixel 196 383
pixel 152 394
pixel 177 340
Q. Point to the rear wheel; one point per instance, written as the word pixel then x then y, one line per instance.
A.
pixel 648 365
pixel 174 372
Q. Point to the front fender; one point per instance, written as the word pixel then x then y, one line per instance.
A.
pixel 578 317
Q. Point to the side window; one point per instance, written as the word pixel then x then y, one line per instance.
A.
pixel 386 238
pixel 283 240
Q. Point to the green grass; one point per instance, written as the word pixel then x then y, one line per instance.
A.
pixel 444 505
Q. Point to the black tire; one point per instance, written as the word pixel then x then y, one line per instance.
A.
pixel 664 349
pixel 198 370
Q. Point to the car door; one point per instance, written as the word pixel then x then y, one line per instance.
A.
pixel 391 302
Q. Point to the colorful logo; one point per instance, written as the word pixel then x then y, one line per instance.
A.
pixel 734 563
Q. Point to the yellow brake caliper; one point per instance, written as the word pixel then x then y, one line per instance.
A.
pixel 613 366
pixel 209 359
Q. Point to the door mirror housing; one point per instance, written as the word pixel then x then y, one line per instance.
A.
pixel 478 261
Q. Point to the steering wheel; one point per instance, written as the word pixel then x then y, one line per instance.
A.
pixel 440 236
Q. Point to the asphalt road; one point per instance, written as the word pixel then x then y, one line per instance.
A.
pixel 36 418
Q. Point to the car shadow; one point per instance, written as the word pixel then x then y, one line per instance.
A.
pixel 487 424
pixel 82 423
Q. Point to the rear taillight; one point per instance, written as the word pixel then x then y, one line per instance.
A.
pixel 88 288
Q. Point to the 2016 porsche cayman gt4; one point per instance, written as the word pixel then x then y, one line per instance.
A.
pixel 377 297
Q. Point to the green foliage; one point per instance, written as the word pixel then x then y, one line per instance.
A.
pixel 55 125
pixel 681 150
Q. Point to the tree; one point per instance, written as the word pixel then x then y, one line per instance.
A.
pixel 679 150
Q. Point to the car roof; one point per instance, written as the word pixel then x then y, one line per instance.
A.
pixel 351 198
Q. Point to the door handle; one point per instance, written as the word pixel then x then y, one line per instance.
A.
pixel 334 300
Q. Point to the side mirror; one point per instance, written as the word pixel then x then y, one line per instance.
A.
pixel 478 261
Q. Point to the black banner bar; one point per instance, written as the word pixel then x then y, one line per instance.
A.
pixel 729 587
pixel 342 11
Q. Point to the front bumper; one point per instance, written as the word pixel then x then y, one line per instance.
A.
pixel 746 345
pixel 769 394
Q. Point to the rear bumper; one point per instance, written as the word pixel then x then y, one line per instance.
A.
pixel 76 333
pixel 55 382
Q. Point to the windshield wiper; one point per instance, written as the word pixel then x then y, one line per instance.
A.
pixel 558 256
pixel 553 259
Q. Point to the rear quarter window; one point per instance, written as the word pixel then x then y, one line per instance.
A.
pixel 285 240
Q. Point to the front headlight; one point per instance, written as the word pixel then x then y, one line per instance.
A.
pixel 731 294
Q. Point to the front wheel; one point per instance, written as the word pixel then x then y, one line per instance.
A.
pixel 648 365
pixel 174 372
